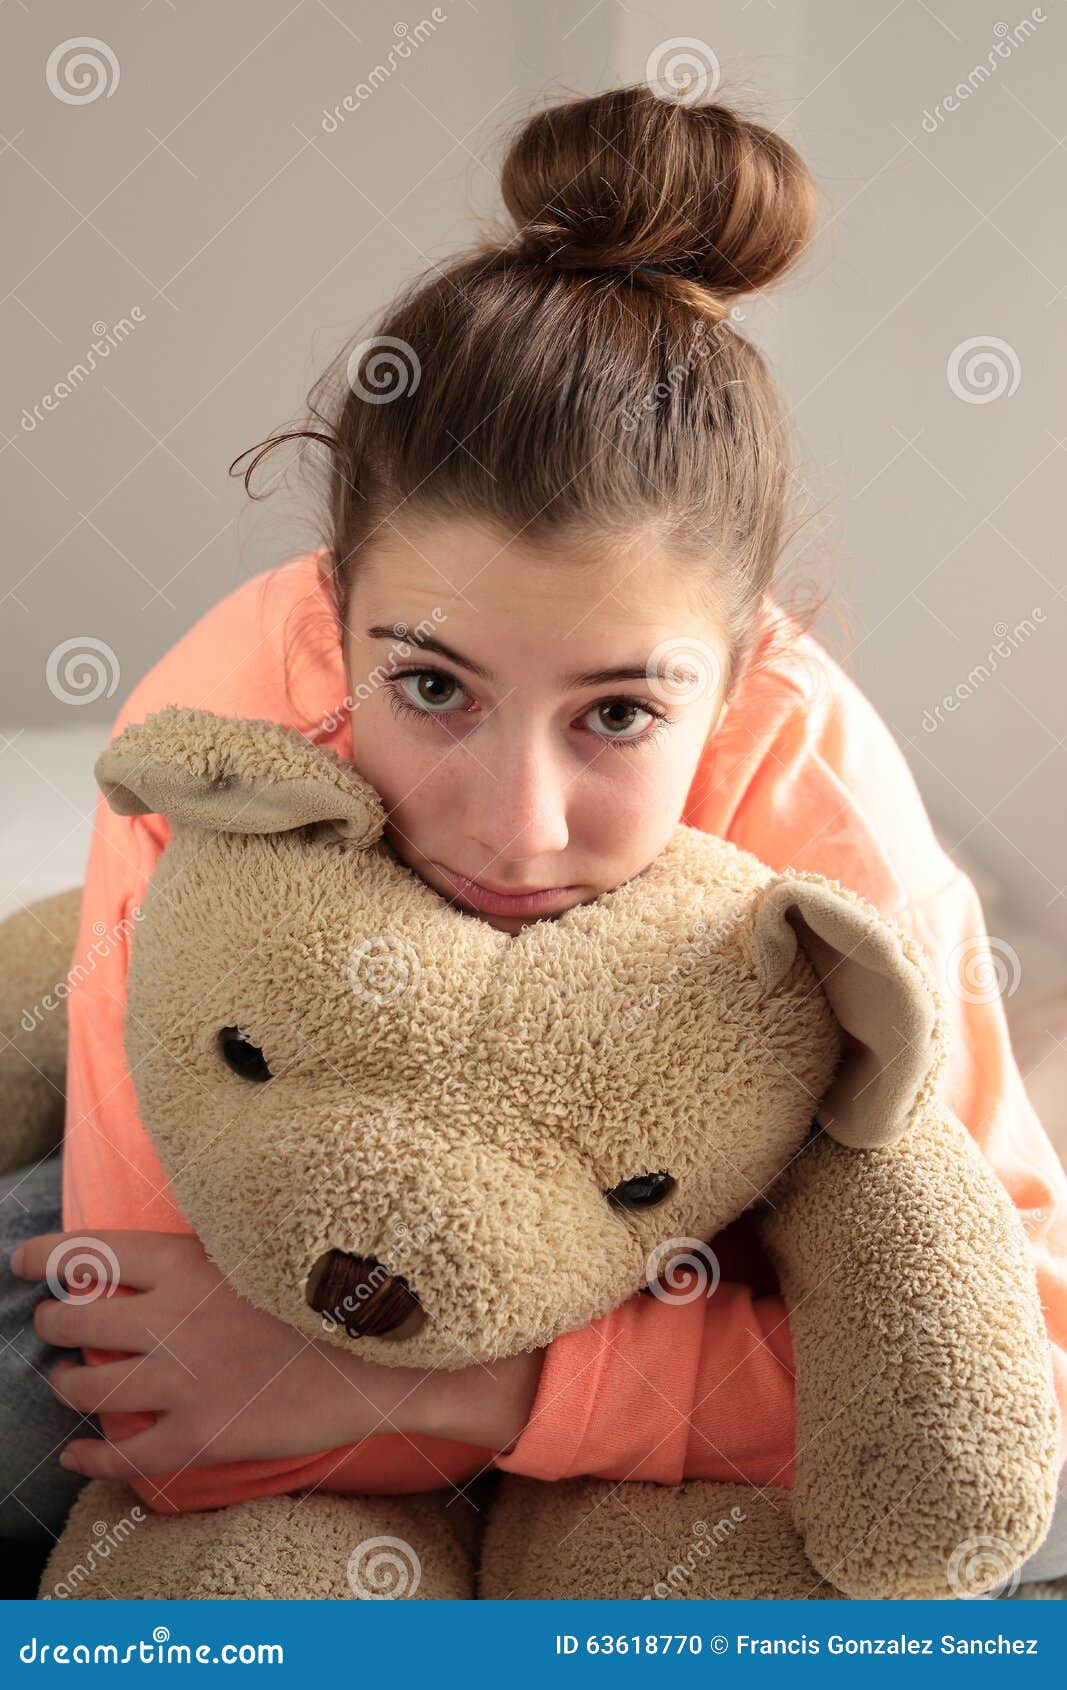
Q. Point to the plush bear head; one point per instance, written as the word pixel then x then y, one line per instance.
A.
pixel 395 1126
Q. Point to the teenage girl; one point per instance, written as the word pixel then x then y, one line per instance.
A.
pixel 541 625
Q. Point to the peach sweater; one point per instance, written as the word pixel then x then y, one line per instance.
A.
pixel 804 773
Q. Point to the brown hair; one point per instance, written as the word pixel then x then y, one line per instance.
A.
pixel 582 378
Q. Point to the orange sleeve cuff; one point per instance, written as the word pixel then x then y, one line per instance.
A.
pixel 662 1389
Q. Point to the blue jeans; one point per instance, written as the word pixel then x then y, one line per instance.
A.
pixel 35 1492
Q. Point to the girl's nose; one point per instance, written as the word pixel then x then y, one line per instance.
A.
pixel 516 806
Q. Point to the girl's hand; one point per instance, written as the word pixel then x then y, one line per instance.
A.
pixel 228 1382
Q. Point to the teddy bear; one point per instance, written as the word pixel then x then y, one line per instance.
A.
pixel 580 1107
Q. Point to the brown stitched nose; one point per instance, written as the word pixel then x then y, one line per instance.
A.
pixel 360 1294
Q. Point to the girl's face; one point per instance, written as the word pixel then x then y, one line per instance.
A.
pixel 508 709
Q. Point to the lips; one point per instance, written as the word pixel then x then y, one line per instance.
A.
pixel 494 902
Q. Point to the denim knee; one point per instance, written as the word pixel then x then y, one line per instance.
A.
pixel 35 1491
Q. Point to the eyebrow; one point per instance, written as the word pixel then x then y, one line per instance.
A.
pixel 591 678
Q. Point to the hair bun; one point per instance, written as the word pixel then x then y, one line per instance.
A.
pixel 626 179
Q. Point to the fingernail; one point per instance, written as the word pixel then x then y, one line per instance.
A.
pixel 67 1460
pixel 17 1257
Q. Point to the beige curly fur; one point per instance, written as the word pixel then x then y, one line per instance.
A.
pixel 456 1102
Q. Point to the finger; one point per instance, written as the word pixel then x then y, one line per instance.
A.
pixel 147 1452
pixel 110 1323
pixel 112 1256
pixel 116 1386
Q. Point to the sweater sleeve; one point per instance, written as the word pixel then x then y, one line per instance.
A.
pixel 666 1390
pixel 112 1177
pixel 111 1173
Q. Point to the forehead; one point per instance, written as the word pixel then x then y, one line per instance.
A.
pixel 613 599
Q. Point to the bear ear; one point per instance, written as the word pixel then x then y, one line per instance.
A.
pixel 880 986
pixel 197 769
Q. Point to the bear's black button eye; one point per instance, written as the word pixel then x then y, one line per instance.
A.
pixel 240 1054
pixel 644 1192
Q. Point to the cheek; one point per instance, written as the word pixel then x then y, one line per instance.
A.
pixel 406 764
pixel 624 815
pixel 645 789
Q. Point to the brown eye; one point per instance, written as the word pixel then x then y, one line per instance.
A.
pixel 431 685
pixel 431 689
pixel 242 1056
pixel 620 717
pixel 644 1192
